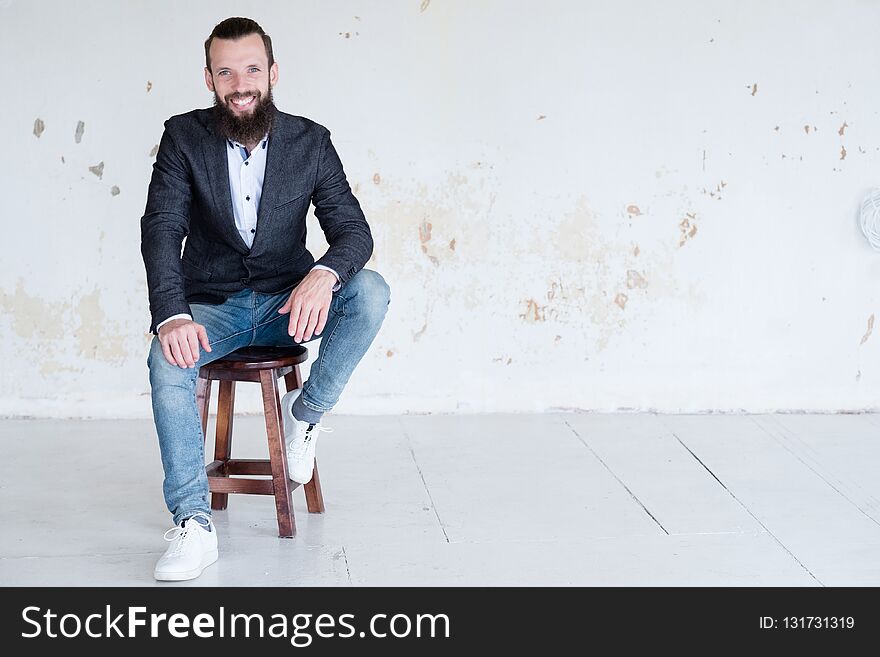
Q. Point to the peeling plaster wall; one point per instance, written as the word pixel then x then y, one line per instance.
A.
pixel 590 205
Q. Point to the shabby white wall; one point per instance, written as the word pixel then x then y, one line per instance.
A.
pixel 594 205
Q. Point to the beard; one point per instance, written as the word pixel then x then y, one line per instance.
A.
pixel 244 128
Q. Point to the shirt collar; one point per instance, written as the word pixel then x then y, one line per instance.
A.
pixel 235 144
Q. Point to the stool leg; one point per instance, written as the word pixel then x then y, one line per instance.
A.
pixel 293 379
pixel 223 440
pixel 277 456
pixel 314 496
pixel 203 400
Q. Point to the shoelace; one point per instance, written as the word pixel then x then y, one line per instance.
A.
pixel 299 449
pixel 182 531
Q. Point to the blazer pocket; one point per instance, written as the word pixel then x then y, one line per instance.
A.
pixel 194 272
pixel 290 262
pixel 288 202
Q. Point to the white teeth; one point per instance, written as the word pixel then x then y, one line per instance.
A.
pixel 243 102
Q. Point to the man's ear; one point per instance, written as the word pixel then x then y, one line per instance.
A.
pixel 209 80
pixel 273 74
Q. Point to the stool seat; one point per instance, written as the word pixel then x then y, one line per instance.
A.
pixel 261 358
pixel 263 365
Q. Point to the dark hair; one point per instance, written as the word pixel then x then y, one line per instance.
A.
pixel 236 28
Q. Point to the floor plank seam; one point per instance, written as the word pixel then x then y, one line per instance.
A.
pixel 412 454
pixel 347 569
pixel 747 510
pixel 605 465
pixel 782 443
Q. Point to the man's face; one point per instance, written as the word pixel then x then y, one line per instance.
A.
pixel 242 84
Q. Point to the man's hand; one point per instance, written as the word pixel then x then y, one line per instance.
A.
pixel 180 341
pixel 309 304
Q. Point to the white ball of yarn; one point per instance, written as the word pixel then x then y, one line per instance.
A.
pixel 870 218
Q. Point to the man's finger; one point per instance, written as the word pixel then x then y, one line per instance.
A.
pixel 175 350
pixel 183 343
pixel 301 324
pixel 166 351
pixel 310 326
pixel 203 337
pixel 288 305
pixel 295 311
pixel 192 338
pixel 185 353
pixel 322 320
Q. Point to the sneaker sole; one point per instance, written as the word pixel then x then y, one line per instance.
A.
pixel 207 560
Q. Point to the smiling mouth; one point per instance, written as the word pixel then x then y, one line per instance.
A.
pixel 243 102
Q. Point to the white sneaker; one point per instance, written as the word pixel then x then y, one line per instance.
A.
pixel 301 439
pixel 192 549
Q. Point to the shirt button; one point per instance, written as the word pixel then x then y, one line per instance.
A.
pixel 253 230
pixel 245 280
pixel 246 163
pixel 247 198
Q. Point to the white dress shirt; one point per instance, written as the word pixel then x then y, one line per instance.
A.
pixel 246 173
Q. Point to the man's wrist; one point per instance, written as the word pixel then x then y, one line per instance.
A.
pixel 326 273
pixel 177 316
pixel 337 284
pixel 329 276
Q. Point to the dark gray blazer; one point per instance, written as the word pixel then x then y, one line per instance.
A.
pixel 189 197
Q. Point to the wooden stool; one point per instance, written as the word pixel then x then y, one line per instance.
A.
pixel 263 365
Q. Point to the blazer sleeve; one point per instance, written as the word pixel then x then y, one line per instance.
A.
pixel 164 225
pixel 340 215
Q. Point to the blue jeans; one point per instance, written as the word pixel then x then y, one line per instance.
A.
pixel 251 318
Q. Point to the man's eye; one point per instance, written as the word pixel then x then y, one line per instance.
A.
pixel 254 68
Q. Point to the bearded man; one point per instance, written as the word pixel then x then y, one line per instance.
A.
pixel 236 180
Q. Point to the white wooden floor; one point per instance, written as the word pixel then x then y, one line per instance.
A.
pixel 562 499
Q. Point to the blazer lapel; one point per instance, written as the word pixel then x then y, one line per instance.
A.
pixel 280 181
pixel 216 164
pixel 274 178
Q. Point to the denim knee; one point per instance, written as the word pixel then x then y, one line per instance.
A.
pixel 372 291
pixel 161 371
